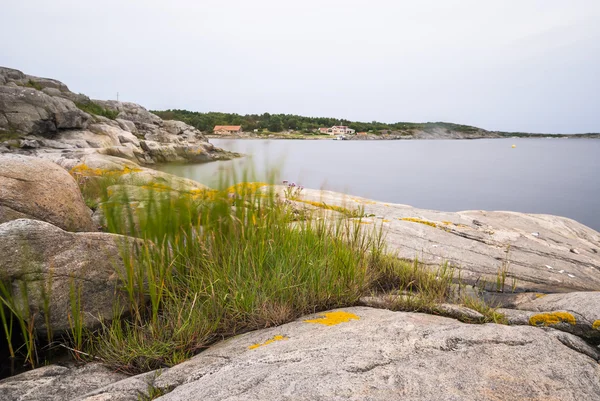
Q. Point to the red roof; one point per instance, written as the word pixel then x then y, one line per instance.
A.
pixel 227 128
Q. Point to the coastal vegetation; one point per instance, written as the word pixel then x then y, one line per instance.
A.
pixel 216 263
pixel 285 122
pixel 93 108
pixel 295 124
pixel 9 135
pixel 32 84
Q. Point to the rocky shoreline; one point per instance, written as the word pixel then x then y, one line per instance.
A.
pixel 542 271
pixel 43 118
pixel 439 133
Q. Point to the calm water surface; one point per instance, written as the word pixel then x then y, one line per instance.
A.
pixel 553 176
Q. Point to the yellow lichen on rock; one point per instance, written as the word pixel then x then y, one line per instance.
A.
pixel 363 201
pixel 333 318
pixel 596 325
pixel 158 187
pixel 86 171
pixel 552 318
pixel 323 205
pixel 246 187
pixel 278 337
pixel 415 220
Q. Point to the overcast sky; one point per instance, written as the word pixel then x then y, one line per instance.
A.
pixel 526 65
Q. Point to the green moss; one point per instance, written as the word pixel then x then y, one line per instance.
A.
pixel 34 85
pixel 93 108
pixel 9 134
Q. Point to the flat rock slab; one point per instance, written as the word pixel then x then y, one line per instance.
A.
pixel 586 304
pixel 362 353
pixel 54 382
pixel 575 312
pixel 544 253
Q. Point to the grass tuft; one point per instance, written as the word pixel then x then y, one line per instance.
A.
pixel 93 108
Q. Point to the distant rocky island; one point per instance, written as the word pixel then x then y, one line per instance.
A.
pixel 289 126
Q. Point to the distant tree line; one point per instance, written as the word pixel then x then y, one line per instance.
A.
pixel 282 122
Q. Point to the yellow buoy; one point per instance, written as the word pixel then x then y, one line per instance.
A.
pixel 514 146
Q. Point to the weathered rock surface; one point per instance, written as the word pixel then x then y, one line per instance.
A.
pixel 135 174
pixel 456 311
pixel 39 189
pixel 56 382
pixel 585 304
pixel 30 111
pixel 130 389
pixel 41 115
pixel 535 248
pixel 374 354
pixel 575 312
pixel 46 257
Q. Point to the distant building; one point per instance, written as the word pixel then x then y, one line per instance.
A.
pixel 337 130
pixel 227 129
pixel 361 133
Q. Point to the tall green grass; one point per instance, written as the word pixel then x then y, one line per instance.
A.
pixel 18 317
pixel 221 263
pixel 215 263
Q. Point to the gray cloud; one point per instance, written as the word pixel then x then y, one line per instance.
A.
pixel 506 65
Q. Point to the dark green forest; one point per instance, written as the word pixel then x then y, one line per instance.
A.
pixel 308 125
pixel 281 122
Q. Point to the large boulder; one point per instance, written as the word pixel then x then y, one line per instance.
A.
pixel 34 188
pixel 184 131
pixel 128 172
pixel 373 354
pixel 44 263
pixel 30 111
pixel 180 152
pixel 131 112
pixel 10 75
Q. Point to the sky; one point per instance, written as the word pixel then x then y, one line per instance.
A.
pixel 527 65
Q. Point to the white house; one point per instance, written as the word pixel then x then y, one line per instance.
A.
pixel 337 130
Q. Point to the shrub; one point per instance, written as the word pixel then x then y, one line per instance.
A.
pixel 32 84
pixel 93 108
